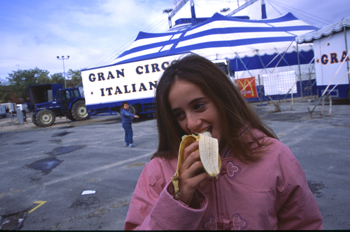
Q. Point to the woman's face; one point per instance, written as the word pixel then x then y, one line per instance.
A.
pixel 193 110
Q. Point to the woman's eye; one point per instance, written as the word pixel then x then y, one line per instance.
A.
pixel 199 106
pixel 179 115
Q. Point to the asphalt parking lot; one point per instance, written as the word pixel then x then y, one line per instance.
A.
pixel 44 172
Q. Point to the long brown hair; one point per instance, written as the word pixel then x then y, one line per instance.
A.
pixel 234 110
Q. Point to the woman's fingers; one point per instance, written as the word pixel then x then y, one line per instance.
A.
pixel 191 165
pixel 189 185
pixel 187 154
pixel 192 173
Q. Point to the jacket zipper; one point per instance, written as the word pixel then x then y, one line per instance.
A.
pixel 217 203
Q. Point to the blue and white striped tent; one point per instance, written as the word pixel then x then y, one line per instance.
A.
pixel 249 45
pixel 221 37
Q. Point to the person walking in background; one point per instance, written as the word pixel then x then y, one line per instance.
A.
pixel 127 118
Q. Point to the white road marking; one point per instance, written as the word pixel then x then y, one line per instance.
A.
pixel 98 169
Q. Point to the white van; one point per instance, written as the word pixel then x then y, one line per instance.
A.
pixel 10 106
pixel 2 111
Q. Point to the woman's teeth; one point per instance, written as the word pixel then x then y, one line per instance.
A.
pixel 206 129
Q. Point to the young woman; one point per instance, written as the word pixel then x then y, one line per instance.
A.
pixel 261 185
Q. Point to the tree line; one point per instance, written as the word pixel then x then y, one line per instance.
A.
pixel 18 81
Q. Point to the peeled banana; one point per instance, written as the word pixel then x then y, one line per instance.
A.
pixel 209 155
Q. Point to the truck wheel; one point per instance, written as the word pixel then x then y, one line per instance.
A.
pixel 70 117
pixel 79 111
pixel 45 118
pixel 34 120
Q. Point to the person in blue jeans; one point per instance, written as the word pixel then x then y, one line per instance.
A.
pixel 127 118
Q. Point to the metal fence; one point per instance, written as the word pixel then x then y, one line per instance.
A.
pixel 278 84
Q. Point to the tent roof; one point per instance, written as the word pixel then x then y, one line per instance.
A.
pixel 220 37
pixel 325 31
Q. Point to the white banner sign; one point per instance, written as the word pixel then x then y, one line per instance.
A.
pixel 124 82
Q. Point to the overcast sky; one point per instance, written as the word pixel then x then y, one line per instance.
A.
pixel 92 32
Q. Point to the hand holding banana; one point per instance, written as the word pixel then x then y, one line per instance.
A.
pixel 193 157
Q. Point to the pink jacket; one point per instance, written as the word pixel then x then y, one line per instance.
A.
pixel 269 194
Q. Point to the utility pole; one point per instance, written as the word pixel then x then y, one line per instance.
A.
pixel 64 71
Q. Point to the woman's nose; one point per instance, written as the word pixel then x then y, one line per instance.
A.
pixel 193 122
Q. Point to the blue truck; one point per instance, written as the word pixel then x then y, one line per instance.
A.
pixel 48 101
